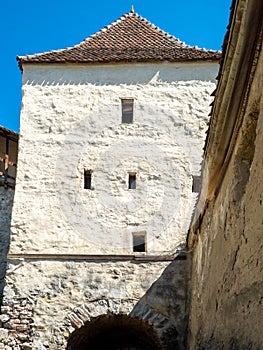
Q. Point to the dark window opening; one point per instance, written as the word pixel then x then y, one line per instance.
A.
pixel 132 181
pixel 139 242
pixel 127 110
pixel 87 179
pixel 196 187
pixel 8 159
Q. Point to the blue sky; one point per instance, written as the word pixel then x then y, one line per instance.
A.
pixel 35 26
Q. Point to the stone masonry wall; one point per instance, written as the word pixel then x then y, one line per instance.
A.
pixel 227 271
pixel 6 204
pixel 16 324
pixel 45 301
pixel 165 304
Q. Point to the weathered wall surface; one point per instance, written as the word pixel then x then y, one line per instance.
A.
pixel 48 300
pixel 71 121
pixel 165 304
pixel 6 204
pixel 227 272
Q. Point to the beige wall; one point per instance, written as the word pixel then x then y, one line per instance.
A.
pixel 227 267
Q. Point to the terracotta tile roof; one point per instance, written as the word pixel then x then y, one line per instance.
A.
pixel 131 38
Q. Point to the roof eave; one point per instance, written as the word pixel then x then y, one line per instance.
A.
pixel 21 62
pixel 8 133
pixel 240 50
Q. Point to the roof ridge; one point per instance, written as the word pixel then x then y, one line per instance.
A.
pixel 162 31
pixel 112 24
pixel 135 14
pixel 170 36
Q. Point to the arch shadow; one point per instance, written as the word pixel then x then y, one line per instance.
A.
pixel 114 332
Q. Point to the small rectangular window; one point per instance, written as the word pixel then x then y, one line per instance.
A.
pixel 139 241
pixel 196 187
pixel 132 181
pixel 87 179
pixel 127 110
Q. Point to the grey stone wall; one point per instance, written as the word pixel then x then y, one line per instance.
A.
pixel 16 324
pixel 6 203
pixel 164 305
pixel 58 297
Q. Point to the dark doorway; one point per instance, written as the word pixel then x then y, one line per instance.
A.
pixel 114 332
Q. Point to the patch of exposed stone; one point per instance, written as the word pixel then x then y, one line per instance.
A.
pixel 165 303
pixel 90 310
pixel 164 328
pixel 6 204
pixel 16 324
pixel 72 293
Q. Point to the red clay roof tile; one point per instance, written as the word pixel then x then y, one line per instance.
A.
pixel 131 38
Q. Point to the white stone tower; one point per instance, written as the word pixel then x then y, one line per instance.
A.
pixel 111 137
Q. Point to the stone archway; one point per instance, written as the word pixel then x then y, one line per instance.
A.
pixel 114 332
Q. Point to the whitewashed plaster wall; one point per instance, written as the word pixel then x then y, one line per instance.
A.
pixel 71 120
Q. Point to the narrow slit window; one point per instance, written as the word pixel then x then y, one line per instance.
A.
pixel 139 241
pixel 127 110
pixel 196 187
pixel 87 179
pixel 132 181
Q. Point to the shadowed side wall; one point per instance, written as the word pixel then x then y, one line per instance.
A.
pixel 165 304
pixel 8 161
pixel 227 270
pixel 6 204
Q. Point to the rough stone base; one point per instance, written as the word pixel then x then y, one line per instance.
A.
pixel 16 324
pixel 47 300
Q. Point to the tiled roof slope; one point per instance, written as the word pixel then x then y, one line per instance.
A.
pixel 131 38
